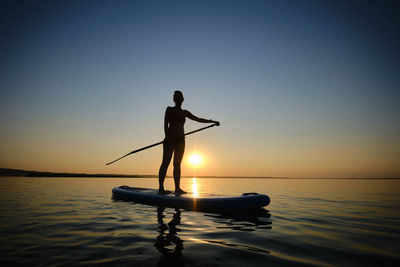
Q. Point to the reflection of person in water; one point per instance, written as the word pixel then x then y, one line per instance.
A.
pixel 170 257
pixel 174 142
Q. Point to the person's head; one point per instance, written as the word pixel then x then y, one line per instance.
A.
pixel 178 97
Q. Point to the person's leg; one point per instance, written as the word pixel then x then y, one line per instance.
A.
pixel 167 155
pixel 178 155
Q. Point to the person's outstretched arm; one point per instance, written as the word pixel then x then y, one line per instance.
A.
pixel 195 118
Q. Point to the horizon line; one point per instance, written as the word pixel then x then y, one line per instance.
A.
pixel 8 172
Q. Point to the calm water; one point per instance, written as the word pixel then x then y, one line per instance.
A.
pixel 74 221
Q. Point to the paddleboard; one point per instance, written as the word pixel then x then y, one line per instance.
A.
pixel 191 201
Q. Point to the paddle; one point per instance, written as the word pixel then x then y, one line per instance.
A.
pixel 159 143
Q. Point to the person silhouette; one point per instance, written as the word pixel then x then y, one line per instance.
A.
pixel 174 142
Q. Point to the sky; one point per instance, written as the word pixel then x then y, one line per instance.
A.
pixel 301 88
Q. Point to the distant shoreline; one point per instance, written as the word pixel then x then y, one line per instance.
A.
pixel 6 172
pixel 25 173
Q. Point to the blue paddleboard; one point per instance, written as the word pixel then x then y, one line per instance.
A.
pixel 190 201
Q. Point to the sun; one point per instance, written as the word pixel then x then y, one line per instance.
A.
pixel 195 159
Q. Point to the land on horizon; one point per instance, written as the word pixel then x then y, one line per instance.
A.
pixel 29 173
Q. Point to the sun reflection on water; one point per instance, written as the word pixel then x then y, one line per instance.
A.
pixel 194 187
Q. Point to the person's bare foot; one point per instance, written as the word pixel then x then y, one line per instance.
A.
pixel 179 192
pixel 163 192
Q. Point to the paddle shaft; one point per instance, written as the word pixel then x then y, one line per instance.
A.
pixel 159 143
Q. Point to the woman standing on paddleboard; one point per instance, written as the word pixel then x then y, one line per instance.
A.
pixel 174 142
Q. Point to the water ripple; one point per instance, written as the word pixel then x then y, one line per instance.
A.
pixel 57 222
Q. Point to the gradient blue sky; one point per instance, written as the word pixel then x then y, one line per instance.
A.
pixel 302 88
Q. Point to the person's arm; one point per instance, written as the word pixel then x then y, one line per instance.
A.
pixel 166 120
pixel 195 118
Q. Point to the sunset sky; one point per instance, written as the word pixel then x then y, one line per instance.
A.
pixel 301 88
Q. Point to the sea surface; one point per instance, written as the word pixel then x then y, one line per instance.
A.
pixel 320 222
